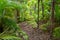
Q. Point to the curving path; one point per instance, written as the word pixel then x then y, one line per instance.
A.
pixel 34 34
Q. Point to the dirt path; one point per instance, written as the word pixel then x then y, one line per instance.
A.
pixel 34 34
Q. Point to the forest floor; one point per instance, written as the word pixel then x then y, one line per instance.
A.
pixel 34 34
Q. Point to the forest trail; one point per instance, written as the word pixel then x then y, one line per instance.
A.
pixel 34 34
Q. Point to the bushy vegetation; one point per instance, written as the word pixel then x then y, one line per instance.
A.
pixel 28 11
pixel 9 30
pixel 56 32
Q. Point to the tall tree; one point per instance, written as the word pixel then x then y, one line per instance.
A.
pixel 42 8
pixel 38 12
pixel 52 18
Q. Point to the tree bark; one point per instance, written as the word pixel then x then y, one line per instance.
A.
pixel 38 13
pixel 18 16
pixel 52 19
pixel 42 8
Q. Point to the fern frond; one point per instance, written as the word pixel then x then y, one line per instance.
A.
pixel 8 37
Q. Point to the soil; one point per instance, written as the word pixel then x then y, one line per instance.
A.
pixel 34 34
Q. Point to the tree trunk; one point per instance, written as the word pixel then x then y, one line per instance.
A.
pixel 52 19
pixel 38 13
pixel 42 8
pixel 18 16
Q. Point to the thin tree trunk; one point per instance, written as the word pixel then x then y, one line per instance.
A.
pixel 18 16
pixel 52 19
pixel 42 8
pixel 38 12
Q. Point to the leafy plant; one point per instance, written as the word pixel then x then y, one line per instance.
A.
pixel 32 23
pixel 44 26
pixel 56 32
pixel 57 13
pixel 10 29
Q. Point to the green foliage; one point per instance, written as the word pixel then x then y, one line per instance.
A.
pixel 57 13
pixel 56 32
pixel 57 1
pixel 8 37
pixel 11 31
pixel 28 12
pixel 32 23
pixel 44 26
pixel 25 36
